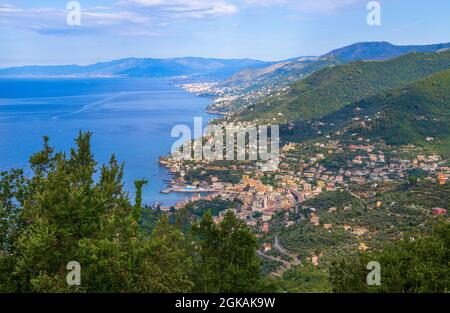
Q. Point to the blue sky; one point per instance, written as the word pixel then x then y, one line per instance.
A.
pixel 36 32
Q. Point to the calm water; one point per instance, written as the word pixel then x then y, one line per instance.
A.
pixel 132 118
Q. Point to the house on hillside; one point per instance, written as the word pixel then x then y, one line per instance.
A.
pixel 439 211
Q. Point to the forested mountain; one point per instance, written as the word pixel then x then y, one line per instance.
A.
pixel 407 115
pixel 281 72
pixel 380 51
pixel 252 84
pixel 412 114
pixel 333 88
pixel 296 68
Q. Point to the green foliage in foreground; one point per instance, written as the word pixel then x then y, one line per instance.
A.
pixel 193 211
pixel 60 214
pixel 303 279
pixel 226 262
pixel 420 265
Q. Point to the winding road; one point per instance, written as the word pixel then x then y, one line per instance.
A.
pixel 286 265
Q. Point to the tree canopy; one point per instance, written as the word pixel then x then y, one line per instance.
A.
pixel 60 213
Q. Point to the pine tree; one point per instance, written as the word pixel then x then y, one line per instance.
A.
pixel 226 256
pixel 420 265
pixel 137 211
pixel 62 214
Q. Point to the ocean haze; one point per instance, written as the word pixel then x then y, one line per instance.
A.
pixel 140 67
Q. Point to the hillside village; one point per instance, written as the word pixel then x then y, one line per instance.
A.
pixel 304 173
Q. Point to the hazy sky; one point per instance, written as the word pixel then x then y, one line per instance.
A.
pixel 36 31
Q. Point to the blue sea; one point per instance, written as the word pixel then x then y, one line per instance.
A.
pixel 131 118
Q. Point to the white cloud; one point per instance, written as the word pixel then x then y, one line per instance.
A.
pixel 110 18
pixel 51 21
pixel 267 2
pixel 183 8
pixel 126 18
pixel 326 5
pixel 138 33
pixel 8 8
pixel 307 6
pixel 146 17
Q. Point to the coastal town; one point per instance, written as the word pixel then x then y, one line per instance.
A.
pixel 225 155
pixel 228 98
pixel 305 171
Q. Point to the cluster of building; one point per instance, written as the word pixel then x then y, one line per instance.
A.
pixel 302 176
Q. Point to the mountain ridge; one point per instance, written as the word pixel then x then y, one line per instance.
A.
pixel 380 50
pixel 139 67
pixel 332 88
pixel 359 51
pixel 405 115
pixel 227 70
pixel 249 86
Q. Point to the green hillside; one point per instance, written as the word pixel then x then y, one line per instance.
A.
pixel 412 114
pixel 335 87
pixel 406 115
pixel 279 74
